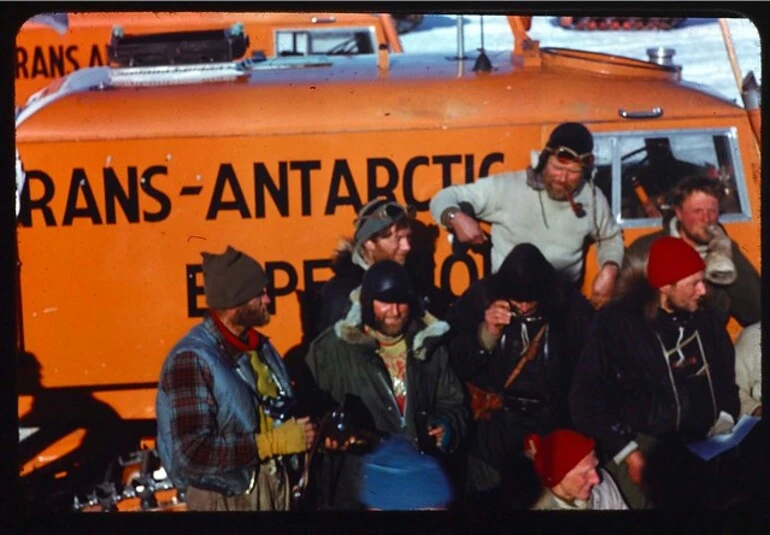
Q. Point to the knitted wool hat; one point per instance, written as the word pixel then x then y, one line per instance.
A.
pixel 671 260
pixel 572 135
pixel 555 454
pixel 231 279
pixel 375 216
pixel 396 477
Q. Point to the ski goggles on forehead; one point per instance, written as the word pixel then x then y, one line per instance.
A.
pixel 566 155
pixel 391 211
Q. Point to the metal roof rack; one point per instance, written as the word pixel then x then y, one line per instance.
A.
pixel 176 74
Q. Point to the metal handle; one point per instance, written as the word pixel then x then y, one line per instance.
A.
pixel 321 20
pixel 654 113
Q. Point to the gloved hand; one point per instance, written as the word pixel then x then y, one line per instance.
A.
pixel 288 438
pixel 720 268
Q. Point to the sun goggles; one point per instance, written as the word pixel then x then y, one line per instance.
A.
pixel 390 210
pixel 566 155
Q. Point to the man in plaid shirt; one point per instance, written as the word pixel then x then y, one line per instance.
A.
pixel 224 434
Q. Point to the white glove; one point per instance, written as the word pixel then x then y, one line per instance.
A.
pixel 720 268
pixel 724 424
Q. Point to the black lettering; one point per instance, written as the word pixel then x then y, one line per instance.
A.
pixel 469 159
pixel 194 290
pixel 96 57
pixel 371 178
pixel 21 62
pixel 340 173
pixel 163 200
pixel 291 285
pixel 280 195
pixel 446 271
pixel 56 60
pixel 113 191
pixel 27 204
pixel 308 267
pixel 71 57
pixel 409 182
pixel 79 184
pixel 305 167
pixel 226 175
pixel 446 167
pixel 38 63
pixel 489 159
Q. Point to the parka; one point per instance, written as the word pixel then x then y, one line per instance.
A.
pixel 346 368
pixel 623 383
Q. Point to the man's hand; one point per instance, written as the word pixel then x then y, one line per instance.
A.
pixel 635 464
pixel 757 411
pixel 331 444
pixel 467 229
pixel 437 432
pixel 604 284
pixel 496 317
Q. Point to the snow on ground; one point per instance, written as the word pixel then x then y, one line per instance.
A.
pixel 698 44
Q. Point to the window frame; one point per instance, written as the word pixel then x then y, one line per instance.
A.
pixel 312 32
pixel 730 133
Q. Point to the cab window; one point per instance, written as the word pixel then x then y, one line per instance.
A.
pixel 329 42
pixel 638 170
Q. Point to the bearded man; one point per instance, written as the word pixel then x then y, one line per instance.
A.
pixel 733 285
pixel 390 371
pixel 225 433
pixel 552 204
pixel 657 367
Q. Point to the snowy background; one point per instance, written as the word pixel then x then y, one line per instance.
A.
pixel 699 45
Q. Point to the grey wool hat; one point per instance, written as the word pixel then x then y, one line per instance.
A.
pixel 231 279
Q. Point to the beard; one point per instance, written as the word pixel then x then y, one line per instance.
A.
pixel 395 328
pixel 702 237
pixel 248 316
pixel 683 308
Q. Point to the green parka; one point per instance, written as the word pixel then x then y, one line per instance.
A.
pixel 344 363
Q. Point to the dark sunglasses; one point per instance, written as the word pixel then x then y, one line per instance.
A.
pixel 566 155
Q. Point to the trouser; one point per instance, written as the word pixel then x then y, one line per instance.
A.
pixel 495 461
pixel 271 492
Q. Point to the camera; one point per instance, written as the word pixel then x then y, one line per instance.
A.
pixel 280 408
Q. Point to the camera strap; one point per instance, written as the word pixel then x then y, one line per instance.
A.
pixel 528 356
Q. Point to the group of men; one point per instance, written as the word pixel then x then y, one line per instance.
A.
pixel 525 385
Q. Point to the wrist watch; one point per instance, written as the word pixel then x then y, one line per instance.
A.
pixel 448 215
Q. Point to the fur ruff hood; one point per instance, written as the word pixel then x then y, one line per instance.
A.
pixel 346 262
pixel 421 330
pixel 633 292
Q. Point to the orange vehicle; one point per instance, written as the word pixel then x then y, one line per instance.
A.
pixel 127 174
pixel 49 46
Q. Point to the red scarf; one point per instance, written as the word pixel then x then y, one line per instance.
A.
pixel 252 336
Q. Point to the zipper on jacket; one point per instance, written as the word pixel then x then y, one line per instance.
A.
pixel 401 417
pixel 671 378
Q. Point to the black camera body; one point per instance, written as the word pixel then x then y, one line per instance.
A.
pixel 280 408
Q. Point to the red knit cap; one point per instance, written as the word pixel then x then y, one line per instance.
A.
pixel 555 454
pixel 671 260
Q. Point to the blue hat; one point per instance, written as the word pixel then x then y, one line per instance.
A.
pixel 397 477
